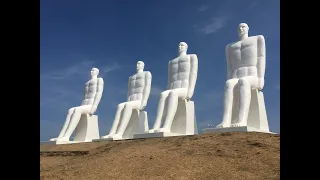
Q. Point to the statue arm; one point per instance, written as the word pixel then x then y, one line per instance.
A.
pixel 97 97
pixel 193 75
pixel 146 90
pixel 129 89
pixel 261 63
pixel 84 94
pixel 169 75
pixel 229 69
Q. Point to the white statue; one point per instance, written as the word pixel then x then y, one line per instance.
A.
pixel 182 77
pixel 92 95
pixel 246 61
pixel 139 86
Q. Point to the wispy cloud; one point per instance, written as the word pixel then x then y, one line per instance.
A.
pixel 76 69
pixel 108 68
pixel 55 90
pixel 156 91
pixel 203 8
pixel 54 97
pixel 58 93
pixel 82 68
pixel 214 25
pixel 253 4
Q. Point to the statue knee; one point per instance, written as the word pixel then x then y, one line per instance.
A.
pixel 163 94
pixel 173 93
pixel 120 106
pixel 229 85
pixel 128 106
pixel 70 110
pixel 76 110
pixel 243 82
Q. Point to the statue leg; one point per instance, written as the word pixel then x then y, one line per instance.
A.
pixel 127 112
pixel 75 118
pixel 66 123
pixel 228 102
pixel 115 121
pixel 162 101
pixel 172 106
pixel 245 85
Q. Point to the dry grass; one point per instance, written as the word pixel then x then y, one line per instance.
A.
pixel 219 156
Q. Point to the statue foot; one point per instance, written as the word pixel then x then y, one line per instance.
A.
pixel 222 125
pixel 151 131
pixel 240 124
pixel 163 130
pixel 117 136
pixel 53 139
pixel 107 136
pixel 63 139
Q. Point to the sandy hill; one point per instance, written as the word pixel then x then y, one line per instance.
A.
pixel 218 156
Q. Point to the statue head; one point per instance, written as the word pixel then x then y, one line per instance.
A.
pixel 183 47
pixel 243 29
pixel 140 65
pixel 94 72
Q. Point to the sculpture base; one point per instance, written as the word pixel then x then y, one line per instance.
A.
pixel 138 124
pixel 109 139
pixel 158 135
pixel 86 130
pixel 99 140
pixel 235 129
pixel 58 142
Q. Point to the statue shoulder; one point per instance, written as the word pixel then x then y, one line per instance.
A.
pixel 148 74
pixel 193 56
pixel 260 38
pixel 100 80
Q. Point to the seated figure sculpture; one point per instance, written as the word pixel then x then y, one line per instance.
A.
pixel 139 86
pixel 92 96
pixel 182 77
pixel 246 61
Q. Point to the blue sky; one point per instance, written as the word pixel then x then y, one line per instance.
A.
pixel 112 35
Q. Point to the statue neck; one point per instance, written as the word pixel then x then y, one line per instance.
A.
pixel 242 37
pixel 183 53
pixel 94 77
pixel 140 70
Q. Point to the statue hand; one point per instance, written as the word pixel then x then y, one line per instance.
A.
pixel 93 110
pixel 142 107
pixel 186 98
pixel 260 83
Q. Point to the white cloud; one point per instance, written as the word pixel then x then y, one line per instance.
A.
pixel 156 91
pixel 203 8
pixel 215 24
pixel 59 93
pixel 82 68
pixel 108 68
pixel 56 90
pixel 253 4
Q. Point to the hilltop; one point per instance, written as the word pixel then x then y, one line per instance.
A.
pixel 219 156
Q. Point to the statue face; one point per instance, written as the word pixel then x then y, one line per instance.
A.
pixel 94 72
pixel 140 65
pixel 243 29
pixel 183 47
